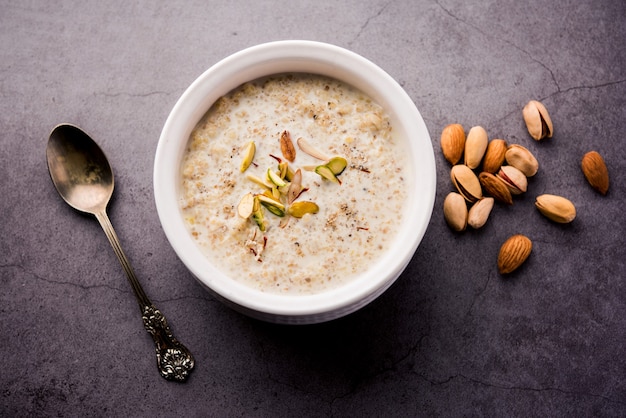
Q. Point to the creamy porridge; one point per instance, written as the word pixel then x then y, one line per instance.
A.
pixel 243 203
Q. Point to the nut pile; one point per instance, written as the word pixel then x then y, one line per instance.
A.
pixel 494 171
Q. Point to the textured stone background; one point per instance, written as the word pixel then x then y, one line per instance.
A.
pixel 451 337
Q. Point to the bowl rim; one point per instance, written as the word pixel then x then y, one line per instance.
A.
pixel 274 58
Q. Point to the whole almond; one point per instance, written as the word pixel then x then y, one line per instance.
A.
pixel 455 211
pixel 475 146
pixel 494 156
pixel 495 187
pixel 513 253
pixel 453 142
pixel 595 171
pixel 556 208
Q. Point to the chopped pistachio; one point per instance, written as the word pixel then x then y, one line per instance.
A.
pixel 275 194
pixel 299 209
pixel 275 178
pixel 257 214
pixel 327 173
pixel 289 174
pixel 248 156
pixel 283 167
pixel 272 205
pixel 337 165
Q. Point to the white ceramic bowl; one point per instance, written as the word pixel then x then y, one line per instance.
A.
pixel 308 57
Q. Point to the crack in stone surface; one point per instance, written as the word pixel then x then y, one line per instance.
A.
pixel 94 286
pixel 367 22
pixel 515 46
pixel 584 87
pixel 394 365
pixel 141 95
pixel 517 388
pixel 480 293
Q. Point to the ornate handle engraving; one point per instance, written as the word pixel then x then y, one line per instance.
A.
pixel 173 359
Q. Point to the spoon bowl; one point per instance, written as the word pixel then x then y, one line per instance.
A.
pixel 83 177
pixel 79 169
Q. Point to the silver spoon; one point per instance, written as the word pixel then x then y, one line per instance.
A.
pixel 83 177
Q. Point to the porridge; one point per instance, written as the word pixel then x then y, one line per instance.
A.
pixel 293 183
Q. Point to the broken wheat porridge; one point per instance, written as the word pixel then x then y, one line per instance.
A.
pixel 293 183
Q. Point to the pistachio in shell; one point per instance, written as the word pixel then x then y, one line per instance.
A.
pixel 479 212
pixel 514 179
pixel 537 120
pixel 522 159
pixel 556 208
pixel 475 146
pixel 466 182
pixel 455 211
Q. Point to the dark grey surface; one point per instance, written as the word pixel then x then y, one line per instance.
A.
pixel 450 338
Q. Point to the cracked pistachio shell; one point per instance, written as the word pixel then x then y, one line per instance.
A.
pixel 522 159
pixel 466 182
pixel 537 120
pixel 514 179
pixel 475 146
pixel 453 142
pixel 556 208
pixel 455 211
pixel 479 212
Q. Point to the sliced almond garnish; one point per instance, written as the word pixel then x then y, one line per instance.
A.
pixel 258 181
pixel 246 206
pixel 306 147
pixel 295 187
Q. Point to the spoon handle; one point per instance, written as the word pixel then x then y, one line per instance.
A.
pixel 174 360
